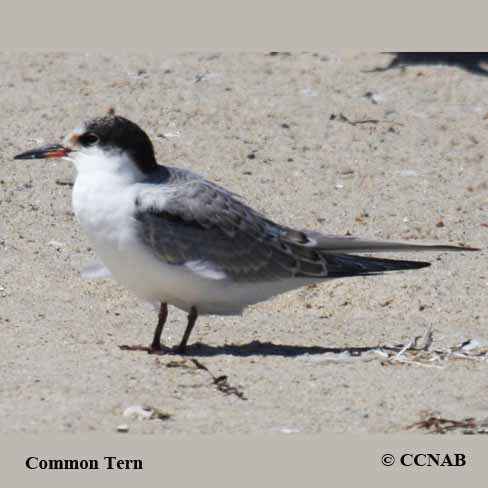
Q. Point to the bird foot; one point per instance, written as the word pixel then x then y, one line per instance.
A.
pixel 180 350
pixel 155 348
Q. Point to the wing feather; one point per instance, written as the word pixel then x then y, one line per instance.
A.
pixel 191 220
pixel 198 222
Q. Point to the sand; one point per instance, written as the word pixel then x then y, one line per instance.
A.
pixel 277 130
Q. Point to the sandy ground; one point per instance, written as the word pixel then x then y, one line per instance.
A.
pixel 273 128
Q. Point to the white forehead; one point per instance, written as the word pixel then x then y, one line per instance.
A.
pixel 79 130
pixel 74 134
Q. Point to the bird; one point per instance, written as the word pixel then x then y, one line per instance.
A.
pixel 173 237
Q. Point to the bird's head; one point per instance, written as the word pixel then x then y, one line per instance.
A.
pixel 108 143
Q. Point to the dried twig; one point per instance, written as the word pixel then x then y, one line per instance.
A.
pixel 418 351
pixel 342 118
pixel 220 381
pixel 64 182
pixel 434 423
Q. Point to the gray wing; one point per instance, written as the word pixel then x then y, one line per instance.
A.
pixel 191 220
pixel 197 221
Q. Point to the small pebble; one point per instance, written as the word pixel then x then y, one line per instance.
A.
pixel 56 244
pixel 289 431
pixel 374 97
pixel 408 172
pixel 138 412
pixel 143 412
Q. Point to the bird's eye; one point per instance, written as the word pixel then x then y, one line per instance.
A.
pixel 89 139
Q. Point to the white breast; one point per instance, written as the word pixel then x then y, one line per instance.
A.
pixel 104 205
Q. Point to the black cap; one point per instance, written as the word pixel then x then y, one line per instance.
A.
pixel 117 133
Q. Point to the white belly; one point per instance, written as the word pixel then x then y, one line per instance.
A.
pixel 107 218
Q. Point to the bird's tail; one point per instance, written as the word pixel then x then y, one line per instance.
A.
pixel 343 244
pixel 323 256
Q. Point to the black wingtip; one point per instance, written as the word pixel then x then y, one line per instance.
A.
pixel 342 265
pixel 416 264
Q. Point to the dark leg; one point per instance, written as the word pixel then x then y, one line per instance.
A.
pixel 163 314
pixel 192 318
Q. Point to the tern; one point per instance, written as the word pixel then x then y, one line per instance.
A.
pixel 172 237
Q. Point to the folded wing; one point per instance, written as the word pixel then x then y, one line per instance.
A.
pixel 197 224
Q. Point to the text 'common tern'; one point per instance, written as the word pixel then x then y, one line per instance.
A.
pixel 173 237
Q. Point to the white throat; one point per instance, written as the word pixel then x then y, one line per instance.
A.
pixel 104 192
pixel 96 163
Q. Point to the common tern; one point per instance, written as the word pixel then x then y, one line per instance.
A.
pixel 173 237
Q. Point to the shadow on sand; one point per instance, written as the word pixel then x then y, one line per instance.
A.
pixel 257 348
pixel 468 61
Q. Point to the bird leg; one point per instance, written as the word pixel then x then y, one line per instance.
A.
pixel 163 315
pixel 192 318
